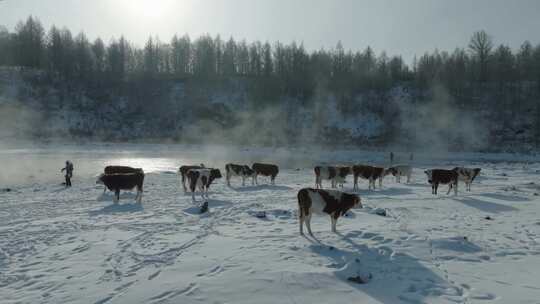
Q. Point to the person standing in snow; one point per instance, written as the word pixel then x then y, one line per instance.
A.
pixel 69 172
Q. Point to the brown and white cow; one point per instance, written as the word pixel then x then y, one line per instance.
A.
pixel 370 173
pixel 442 176
pixel 336 175
pixel 184 170
pixel 201 179
pixel 238 170
pixel 467 175
pixel 331 202
pixel 265 170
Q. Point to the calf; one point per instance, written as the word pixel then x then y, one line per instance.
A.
pixel 118 170
pixel 331 202
pixel 467 175
pixel 238 170
pixel 441 176
pixel 265 170
pixel 370 173
pixel 183 172
pixel 202 179
pixel 401 170
pixel 124 181
pixel 342 172
pixel 336 175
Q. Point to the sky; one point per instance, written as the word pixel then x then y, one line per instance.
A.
pixel 399 27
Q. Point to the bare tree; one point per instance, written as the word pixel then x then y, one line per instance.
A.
pixel 481 45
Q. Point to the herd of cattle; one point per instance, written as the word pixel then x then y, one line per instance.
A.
pixel 310 200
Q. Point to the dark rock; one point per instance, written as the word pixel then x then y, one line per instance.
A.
pixel 260 214
pixel 358 279
pixel 6 190
pixel 380 211
pixel 204 207
pixel 488 218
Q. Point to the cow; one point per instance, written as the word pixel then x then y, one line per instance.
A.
pixel 331 202
pixel 265 170
pixel 399 171
pixel 442 176
pixel 201 179
pixel 336 175
pixel 370 173
pixel 124 181
pixel 183 172
pixel 467 175
pixel 238 170
pixel 118 170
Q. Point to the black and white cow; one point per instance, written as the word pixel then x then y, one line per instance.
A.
pixel 265 170
pixel 467 175
pixel 336 174
pixel 183 172
pixel 331 202
pixel 401 170
pixel 201 179
pixel 238 170
pixel 442 176
pixel 370 173
pixel 124 181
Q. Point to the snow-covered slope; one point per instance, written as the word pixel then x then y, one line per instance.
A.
pixel 75 246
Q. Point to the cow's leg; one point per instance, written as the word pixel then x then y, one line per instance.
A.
pixel 184 183
pixel 455 187
pixel 308 224
pixel 243 180
pixel 139 194
pixel 116 195
pixel 256 179
pixel 301 221
pixel 333 219
pixel 380 182
pixel 355 185
pixel 105 189
pixel 228 178
pixel 450 186
pixel 273 180
pixel 316 182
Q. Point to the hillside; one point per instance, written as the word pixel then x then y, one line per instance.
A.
pixel 36 106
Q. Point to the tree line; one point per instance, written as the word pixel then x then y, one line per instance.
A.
pixel 296 70
pixel 276 70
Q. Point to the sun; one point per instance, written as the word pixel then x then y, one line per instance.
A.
pixel 147 9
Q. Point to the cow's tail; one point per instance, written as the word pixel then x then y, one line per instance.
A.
pixel 317 176
pixel 304 202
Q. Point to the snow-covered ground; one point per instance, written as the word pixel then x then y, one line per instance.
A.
pixel 75 246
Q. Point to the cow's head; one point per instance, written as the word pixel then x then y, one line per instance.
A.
pixel 390 170
pixel 247 171
pixel 429 174
pixel 344 171
pixel 357 201
pixel 215 173
pixel 100 179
